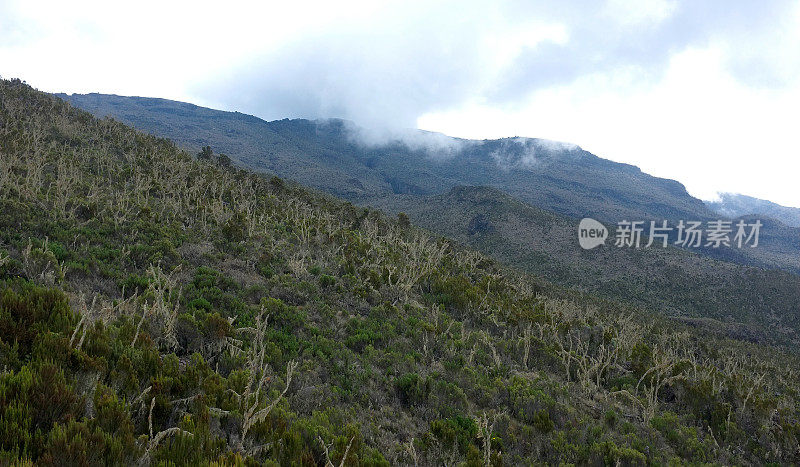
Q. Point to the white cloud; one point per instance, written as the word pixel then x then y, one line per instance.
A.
pixel 505 44
pixel 640 12
pixel 151 48
pixel 435 145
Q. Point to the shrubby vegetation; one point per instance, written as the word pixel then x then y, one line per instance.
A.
pixel 156 308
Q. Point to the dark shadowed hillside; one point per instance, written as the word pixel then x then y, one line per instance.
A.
pixel 158 309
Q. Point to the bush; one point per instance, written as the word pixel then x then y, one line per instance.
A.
pixel 457 431
pixel 326 280
pixel 411 389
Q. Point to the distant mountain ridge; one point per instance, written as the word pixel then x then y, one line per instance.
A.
pixel 328 155
pixel 736 205
pixel 517 199
pixel 365 167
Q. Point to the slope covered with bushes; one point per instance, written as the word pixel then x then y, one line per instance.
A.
pixel 156 308
pixel 743 302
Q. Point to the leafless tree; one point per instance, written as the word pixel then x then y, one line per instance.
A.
pixel 326 450
pixel 165 304
pixel 157 438
pixel 250 399
pixel 485 430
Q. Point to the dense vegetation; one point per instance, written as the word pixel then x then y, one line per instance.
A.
pixel 157 308
pixel 525 212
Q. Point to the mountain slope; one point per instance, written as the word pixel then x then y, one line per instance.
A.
pixel 158 309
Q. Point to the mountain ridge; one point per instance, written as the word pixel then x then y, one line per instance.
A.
pixel 736 205
pixel 142 112
pixel 328 156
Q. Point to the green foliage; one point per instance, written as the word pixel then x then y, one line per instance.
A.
pixel 685 440
pixel 205 154
pixel 458 431
pixel 26 313
pixel 411 389
pixel 224 161
pixel 403 220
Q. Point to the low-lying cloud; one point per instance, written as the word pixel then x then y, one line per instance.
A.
pixel 435 145
pixel 527 153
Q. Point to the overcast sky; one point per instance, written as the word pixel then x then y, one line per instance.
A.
pixel 705 92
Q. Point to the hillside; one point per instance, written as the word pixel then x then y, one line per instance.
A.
pixel 159 309
pixel 367 168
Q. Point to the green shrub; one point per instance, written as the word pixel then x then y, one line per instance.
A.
pixel 457 431
pixel 412 389
pixel 326 280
